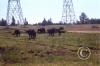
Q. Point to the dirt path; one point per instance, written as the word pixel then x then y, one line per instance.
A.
pixel 85 31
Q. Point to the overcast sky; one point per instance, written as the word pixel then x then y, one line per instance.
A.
pixel 36 10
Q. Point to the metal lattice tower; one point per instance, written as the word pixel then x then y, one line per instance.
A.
pixel 68 14
pixel 14 10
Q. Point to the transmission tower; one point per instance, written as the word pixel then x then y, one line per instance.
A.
pixel 14 10
pixel 68 15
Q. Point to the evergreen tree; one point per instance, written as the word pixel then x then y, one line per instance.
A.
pixel 3 22
pixel 13 21
pixel 83 18
pixel 50 22
pixel 44 22
pixel 26 22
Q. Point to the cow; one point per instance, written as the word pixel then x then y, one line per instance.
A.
pixel 60 30
pixel 41 30
pixel 31 33
pixel 17 33
pixel 51 31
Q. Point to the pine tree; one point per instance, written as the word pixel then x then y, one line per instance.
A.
pixel 13 22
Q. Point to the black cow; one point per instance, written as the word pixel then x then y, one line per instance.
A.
pixel 17 33
pixel 60 30
pixel 41 30
pixel 51 31
pixel 31 34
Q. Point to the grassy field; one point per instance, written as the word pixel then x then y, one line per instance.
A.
pixel 48 51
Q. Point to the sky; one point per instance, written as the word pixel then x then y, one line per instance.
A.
pixel 36 10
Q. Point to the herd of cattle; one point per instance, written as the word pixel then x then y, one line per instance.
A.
pixel 32 33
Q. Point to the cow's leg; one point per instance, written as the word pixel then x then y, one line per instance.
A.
pixel 16 35
pixel 19 35
pixel 29 36
pixel 53 34
pixel 59 33
pixel 32 36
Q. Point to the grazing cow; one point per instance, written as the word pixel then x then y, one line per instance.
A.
pixel 51 31
pixel 17 33
pixel 31 34
pixel 41 30
pixel 60 30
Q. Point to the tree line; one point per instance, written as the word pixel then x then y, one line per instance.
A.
pixel 3 22
pixel 83 20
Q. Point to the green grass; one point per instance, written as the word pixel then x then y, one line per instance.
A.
pixel 48 51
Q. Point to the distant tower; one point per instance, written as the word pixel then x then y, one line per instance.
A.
pixel 68 15
pixel 14 10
